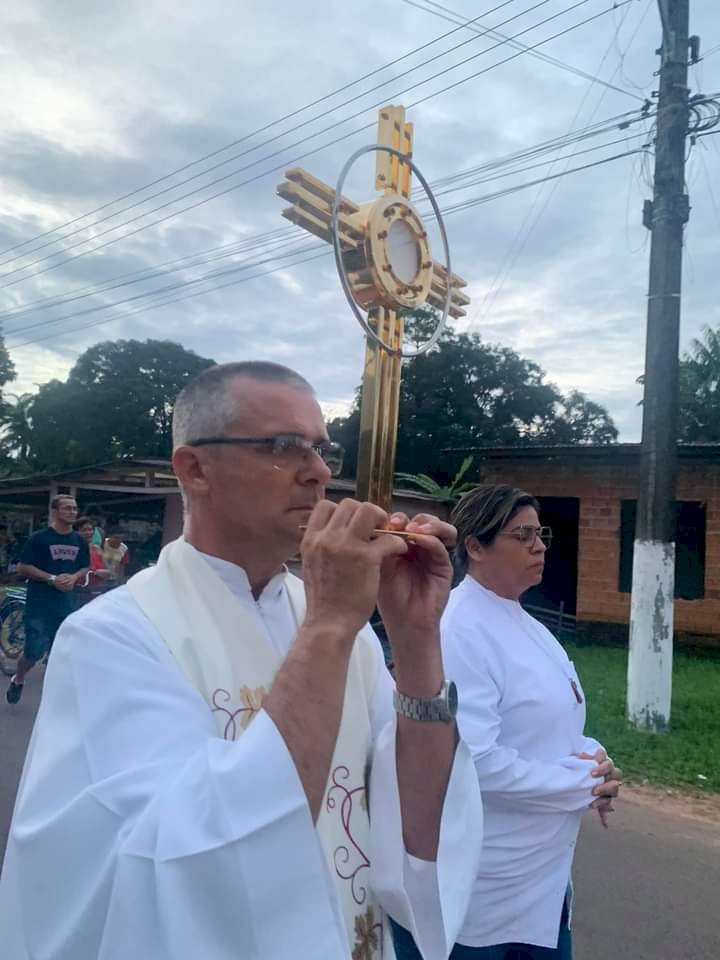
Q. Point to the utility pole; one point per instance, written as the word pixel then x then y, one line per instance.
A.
pixel 653 581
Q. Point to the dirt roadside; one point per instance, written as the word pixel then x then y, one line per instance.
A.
pixel 674 801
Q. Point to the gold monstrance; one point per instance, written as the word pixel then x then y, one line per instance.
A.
pixel 386 267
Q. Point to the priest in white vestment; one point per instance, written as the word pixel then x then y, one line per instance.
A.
pixel 218 770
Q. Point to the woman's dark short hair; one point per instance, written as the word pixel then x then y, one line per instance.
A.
pixel 483 513
pixel 83 522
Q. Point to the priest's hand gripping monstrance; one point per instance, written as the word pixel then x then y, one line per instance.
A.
pixel 383 256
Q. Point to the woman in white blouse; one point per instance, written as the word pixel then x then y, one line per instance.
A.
pixel 522 714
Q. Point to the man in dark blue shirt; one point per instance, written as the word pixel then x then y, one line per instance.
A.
pixel 53 560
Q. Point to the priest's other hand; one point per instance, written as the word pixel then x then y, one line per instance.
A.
pixel 414 587
pixel 342 564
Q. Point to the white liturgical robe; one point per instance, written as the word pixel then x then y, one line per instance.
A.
pixel 140 832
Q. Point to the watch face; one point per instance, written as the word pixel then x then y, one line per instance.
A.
pixel 452 699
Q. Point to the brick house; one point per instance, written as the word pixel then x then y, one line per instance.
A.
pixel 588 496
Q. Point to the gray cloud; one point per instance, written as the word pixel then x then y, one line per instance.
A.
pixel 107 99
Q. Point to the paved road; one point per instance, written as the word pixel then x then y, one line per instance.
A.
pixel 647 889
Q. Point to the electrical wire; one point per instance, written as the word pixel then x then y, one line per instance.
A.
pixel 448 211
pixel 231 283
pixel 282 237
pixel 533 166
pixel 235 248
pixel 244 153
pixel 315 150
pixel 477 201
pixel 531 220
pixel 451 16
pixel 620 121
pixel 166 289
pixel 248 136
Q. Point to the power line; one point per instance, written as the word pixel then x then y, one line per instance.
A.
pixel 618 122
pixel 533 166
pixel 281 237
pixel 448 211
pixel 453 17
pixel 529 224
pixel 153 306
pixel 236 247
pixel 278 251
pixel 248 136
pixel 237 171
pixel 166 289
pixel 238 156
pixel 315 150
pixel 477 201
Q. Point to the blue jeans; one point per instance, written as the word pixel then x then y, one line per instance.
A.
pixel 405 948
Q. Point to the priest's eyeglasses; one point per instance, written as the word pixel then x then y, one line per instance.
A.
pixel 286 449
pixel 527 535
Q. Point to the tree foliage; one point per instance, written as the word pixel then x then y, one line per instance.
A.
pixel 116 402
pixel 17 427
pixel 7 373
pixel 700 390
pixel 465 392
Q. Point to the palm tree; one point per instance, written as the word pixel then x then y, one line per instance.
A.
pixel 16 425
pixel 450 493
pixel 700 390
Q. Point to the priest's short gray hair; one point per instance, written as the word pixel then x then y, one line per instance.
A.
pixel 205 407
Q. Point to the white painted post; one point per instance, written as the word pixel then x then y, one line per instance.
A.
pixel 650 656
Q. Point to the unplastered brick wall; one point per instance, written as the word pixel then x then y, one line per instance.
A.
pixel 600 488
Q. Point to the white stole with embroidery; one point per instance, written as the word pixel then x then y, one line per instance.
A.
pixel 232 664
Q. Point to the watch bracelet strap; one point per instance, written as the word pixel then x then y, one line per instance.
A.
pixel 422 708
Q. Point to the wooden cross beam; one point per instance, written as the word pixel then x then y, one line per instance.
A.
pixel 390 270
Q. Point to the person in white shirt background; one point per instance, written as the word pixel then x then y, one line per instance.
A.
pixel 196 785
pixel 522 713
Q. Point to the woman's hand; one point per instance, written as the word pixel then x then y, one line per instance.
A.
pixel 609 788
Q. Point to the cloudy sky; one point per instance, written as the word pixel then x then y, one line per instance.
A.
pixel 104 101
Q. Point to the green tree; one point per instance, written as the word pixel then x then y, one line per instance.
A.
pixel 700 390
pixel 8 462
pixel 17 427
pixel 580 420
pixel 465 392
pixel 117 402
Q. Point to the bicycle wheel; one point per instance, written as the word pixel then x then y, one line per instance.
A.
pixel 12 634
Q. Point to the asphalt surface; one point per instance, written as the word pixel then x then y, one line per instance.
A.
pixel 646 889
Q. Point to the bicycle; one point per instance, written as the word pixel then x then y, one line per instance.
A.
pixel 12 628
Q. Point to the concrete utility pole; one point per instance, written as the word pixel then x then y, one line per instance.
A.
pixel 653 582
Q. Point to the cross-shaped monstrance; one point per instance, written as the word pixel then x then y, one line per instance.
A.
pixel 389 270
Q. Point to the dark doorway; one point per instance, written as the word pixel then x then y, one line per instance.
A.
pixel 559 586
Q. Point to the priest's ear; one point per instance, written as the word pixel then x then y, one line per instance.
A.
pixel 190 466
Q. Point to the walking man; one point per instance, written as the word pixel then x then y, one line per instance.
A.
pixel 54 560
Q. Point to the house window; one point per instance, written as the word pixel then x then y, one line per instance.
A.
pixel 689 548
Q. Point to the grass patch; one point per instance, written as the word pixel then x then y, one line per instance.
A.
pixel 693 745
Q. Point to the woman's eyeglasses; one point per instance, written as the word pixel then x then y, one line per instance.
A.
pixel 527 535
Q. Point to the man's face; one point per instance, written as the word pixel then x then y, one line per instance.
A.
pixel 66 511
pixel 254 495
